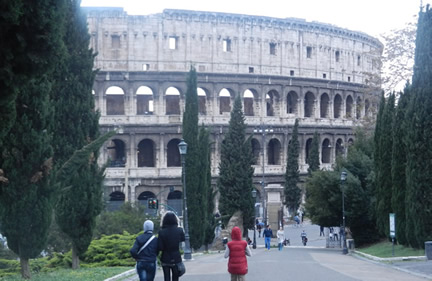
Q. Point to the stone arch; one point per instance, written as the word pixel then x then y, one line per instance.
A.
pixel 324 105
pixel 143 199
pixel 175 202
pixel 309 105
pixel 274 152
pixel 358 108
pixel 325 151
pixel 225 96
pixel 144 100
pixel 173 154
pixel 115 101
pixel 349 107
pixel 291 102
pixel 146 153
pixel 116 153
pixel 256 149
pixel 248 102
pixel 339 147
pixel 116 199
pixel 337 106
pixel 202 101
pixel 308 147
pixel 272 103
pixel 172 99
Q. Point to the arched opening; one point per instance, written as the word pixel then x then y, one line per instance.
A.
pixel 116 153
pixel 274 151
pixel 143 200
pixel 309 104
pixel 144 96
pixel 172 99
pixel 146 153
pixel 256 149
pixel 337 106
pixel 358 108
pixel 202 99
pixel 224 101
pixel 175 202
pixel 349 106
pixel 324 105
pixel 292 98
pixel 115 101
pixel 173 153
pixel 116 199
pixel 248 103
pixel 325 151
pixel 307 149
pixel 339 148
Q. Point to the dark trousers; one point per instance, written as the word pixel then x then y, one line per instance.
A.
pixel 167 270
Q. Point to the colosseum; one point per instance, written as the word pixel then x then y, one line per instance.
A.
pixel 283 69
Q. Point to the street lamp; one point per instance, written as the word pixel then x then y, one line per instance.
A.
pixel 343 179
pixel 254 193
pixel 263 130
pixel 183 150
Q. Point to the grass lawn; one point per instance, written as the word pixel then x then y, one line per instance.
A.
pixel 82 274
pixel 384 250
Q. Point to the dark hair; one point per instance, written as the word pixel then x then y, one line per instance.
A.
pixel 169 219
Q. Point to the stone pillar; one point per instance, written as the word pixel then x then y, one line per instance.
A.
pixel 274 205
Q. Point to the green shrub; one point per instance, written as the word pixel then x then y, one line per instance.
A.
pixel 129 218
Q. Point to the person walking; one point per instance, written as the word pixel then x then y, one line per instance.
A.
pixel 145 251
pixel 281 237
pixel 237 250
pixel 322 230
pixel 259 227
pixel 268 234
pixel 169 239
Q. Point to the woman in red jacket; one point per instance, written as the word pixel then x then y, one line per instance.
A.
pixel 236 250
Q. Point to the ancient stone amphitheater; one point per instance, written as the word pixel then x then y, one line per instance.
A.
pixel 283 69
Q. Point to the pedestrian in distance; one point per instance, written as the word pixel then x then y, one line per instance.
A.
pixel 268 234
pixel 237 250
pixel 322 231
pixel 259 227
pixel 169 239
pixel 281 237
pixel 145 252
pixel 303 236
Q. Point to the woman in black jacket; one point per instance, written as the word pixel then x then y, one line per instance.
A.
pixel 169 239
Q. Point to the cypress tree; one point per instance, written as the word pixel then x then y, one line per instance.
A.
pixel 77 125
pixel 292 191
pixel 384 176
pixel 195 191
pixel 398 167
pixel 27 199
pixel 419 134
pixel 235 169
pixel 314 156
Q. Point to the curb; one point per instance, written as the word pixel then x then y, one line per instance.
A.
pixel 121 275
pixel 411 258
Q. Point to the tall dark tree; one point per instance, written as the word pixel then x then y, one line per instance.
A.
pixel 314 156
pixel 76 124
pixel 419 133
pixel 196 192
pixel 398 166
pixel 292 173
pixel 383 167
pixel 235 169
pixel 33 40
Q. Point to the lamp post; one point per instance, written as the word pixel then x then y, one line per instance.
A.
pixel 254 197
pixel 343 179
pixel 183 150
pixel 263 130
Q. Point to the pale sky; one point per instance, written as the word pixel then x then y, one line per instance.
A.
pixel 370 16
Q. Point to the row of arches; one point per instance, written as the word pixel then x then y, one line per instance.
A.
pixel 323 105
pixel 147 152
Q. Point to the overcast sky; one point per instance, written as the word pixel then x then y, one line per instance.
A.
pixel 370 16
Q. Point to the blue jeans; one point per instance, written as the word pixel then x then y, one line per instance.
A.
pixel 267 242
pixel 146 270
pixel 280 246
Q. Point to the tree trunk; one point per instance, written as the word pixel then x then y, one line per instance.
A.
pixel 25 268
pixel 75 258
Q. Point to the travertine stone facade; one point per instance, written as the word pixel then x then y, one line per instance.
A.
pixel 283 69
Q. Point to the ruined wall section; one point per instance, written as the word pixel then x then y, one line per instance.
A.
pixel 230 43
